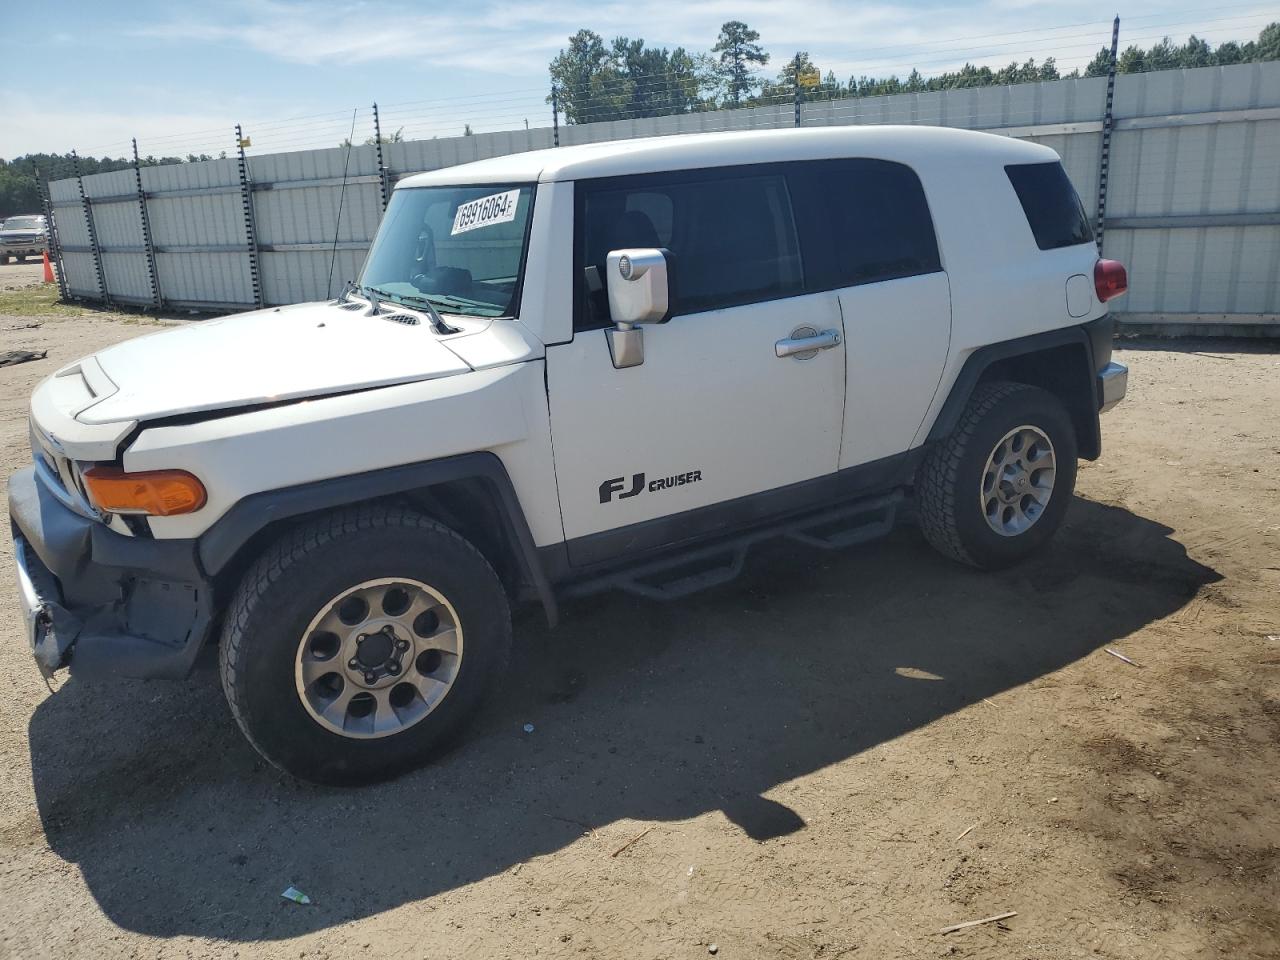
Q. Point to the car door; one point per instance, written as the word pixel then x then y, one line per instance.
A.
pixel 677 446
pixel 869 236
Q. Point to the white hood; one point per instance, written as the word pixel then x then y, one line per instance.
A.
pixel 287 353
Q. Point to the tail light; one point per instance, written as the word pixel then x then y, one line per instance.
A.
pixel 156 493
pixel 1109 279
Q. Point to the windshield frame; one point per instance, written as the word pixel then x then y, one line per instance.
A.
pixel 517 293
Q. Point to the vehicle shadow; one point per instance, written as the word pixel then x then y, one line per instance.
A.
pixel 640 710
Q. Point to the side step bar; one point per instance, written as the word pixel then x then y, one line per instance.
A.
pixel 850 525
pixel 680 574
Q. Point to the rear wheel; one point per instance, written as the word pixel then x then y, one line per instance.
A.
pixel 997 488
pixel 359 645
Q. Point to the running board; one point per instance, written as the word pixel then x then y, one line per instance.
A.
pixel 671 579
pixel 852 525
pixel 680 574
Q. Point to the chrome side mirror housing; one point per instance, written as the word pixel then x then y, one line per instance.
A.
pixel 639 288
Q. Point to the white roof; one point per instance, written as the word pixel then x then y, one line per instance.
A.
pixel 913 145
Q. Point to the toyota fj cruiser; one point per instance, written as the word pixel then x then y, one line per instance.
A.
pixel 605 366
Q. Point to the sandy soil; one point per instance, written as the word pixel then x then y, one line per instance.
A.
pixel 795 755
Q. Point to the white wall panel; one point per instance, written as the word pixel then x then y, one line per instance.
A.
pixel 1186 159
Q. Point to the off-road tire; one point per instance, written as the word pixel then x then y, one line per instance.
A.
pixel 948 504
pixel 294 577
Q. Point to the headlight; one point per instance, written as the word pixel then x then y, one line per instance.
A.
pixel 156 493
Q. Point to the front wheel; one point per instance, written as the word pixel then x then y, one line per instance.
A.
pixel 359 644
pixel 997 488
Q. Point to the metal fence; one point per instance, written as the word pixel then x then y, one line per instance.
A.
pixel 1191 200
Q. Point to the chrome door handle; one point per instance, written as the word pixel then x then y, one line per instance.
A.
pixel 793 346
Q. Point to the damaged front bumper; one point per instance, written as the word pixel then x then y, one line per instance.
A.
pixel 102 603
pixel 47 630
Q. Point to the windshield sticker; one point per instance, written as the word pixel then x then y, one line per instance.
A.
pixel 485 212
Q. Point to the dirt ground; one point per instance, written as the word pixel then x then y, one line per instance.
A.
pixel 835 756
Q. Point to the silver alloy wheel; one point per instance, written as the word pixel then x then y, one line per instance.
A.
pixel 1017 481
pixel 378 658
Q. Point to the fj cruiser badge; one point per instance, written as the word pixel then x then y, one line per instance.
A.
pixel 638 485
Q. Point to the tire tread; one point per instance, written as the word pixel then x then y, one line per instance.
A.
pixel 289 549
pixel 937 481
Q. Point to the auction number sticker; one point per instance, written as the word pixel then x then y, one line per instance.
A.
pixel 485 212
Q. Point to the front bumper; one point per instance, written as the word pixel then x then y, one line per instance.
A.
pixel 1113 382
pixel 23 249
pixel 98 601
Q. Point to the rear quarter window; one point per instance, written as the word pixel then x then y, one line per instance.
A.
pixel 1051 204
pixel 863 221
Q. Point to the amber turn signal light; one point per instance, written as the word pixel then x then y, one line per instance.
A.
pixel 157 493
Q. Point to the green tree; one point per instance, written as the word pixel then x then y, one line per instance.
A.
pixel 579 75
pixel 625 79
pixel 1100 65
pixel 785 86
pixel 1228 53
pixel 1162 56
pixel 18 177
pixel 1132 60
pixel 1268 46
pixel 739 52
pixel 1195 53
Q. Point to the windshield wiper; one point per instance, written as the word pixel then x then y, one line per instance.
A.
pixel 437 321
pixel 456 300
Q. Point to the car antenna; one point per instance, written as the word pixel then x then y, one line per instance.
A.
pixel 342 195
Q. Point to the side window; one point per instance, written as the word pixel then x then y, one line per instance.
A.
pixel 1052 206
pixel 862 221
pixel 730 231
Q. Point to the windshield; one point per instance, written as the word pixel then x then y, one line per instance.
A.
pixel 462 248
pixel 23 223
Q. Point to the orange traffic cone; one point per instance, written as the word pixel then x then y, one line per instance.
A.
pixel 48 268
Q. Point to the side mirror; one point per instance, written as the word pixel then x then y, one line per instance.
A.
pixel 639 292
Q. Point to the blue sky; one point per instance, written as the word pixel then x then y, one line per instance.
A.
pixel 180 75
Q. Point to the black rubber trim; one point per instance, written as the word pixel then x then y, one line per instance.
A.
pixel 1102 334
pixel 220 543
pixel 641 541
pixel 982 358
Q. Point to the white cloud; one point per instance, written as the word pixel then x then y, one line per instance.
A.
pixel 440 52
pixel 518 39
pixel 32 126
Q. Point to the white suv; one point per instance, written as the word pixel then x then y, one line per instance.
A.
pixel 606 366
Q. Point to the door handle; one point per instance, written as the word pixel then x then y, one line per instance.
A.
pixel 793 346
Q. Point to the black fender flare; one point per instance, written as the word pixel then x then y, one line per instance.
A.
pixel 1082 381
pixel 218 545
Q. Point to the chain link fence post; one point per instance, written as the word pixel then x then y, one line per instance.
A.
pixel 87 209
pixel 1108 119
pixel 555 116
pixel 54 245
pixel 795 87
pixel 384 185
pixel 250 234
pixel 145 219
